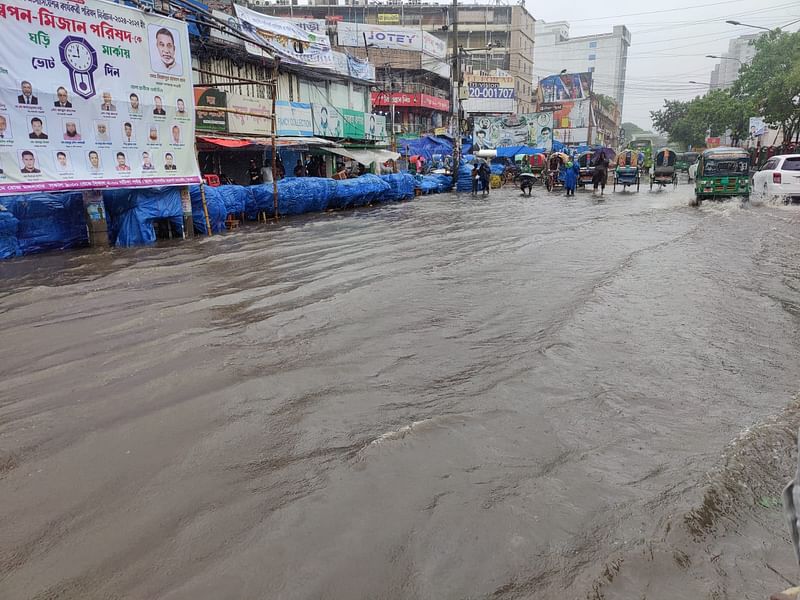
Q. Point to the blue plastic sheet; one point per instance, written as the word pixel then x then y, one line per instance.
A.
pixel 401 187
pixel 48 221
pixel 296 196
pixel 235 197
pixel 359 191
pixel 9 244
pixel 426 146
pixel 131 213
pixel 444 183
pixel 434 184
pixel 512 151
pixel 216 210
pixel 464 181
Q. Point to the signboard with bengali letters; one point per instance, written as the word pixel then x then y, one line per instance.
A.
pixel 103 98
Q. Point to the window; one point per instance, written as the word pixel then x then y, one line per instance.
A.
pixel 592 57
pixel 791 164
pixel 770 164
pixel 592 44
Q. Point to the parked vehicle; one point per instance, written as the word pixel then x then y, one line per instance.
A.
pixel 627 171
pixel 644 146
pixel 779 179
pixel 664 172
pixel 721 173
pixel 686 160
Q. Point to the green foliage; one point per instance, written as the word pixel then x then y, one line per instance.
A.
pixel 632 129
pixel 765 87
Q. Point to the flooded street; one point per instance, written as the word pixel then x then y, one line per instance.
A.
pixel 454 397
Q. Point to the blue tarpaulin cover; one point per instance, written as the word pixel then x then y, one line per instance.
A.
pixel 235 197
pixel 401 187
pixel 216 210
pixel 296 196
pixel 48 221
pixel 9 245
pixel 359 191
pixel 426 146
pixel 131 213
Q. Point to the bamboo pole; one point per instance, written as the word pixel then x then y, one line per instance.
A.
pixel 275 138
pixel 205 207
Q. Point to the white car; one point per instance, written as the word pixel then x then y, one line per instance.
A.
pixel 779 179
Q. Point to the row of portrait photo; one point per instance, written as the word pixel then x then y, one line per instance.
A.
pixel 62 100
pixel 96 162
pixel 70 129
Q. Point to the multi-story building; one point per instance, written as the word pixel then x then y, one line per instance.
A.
pixel 740 52
pixel 494 38
pixel 605 56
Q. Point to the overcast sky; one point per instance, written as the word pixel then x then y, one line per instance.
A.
pixel 668 44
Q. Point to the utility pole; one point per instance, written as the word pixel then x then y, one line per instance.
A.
pixel 456 90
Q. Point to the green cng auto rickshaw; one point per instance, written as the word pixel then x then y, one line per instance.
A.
pixel 686 160
pixel 722 173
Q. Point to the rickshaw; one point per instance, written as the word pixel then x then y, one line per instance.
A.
pixel 586 164
pixel 531 173
pixel 627 172
pixel 721 173
pixel 554 178
pixel 664 172
pixel 685 160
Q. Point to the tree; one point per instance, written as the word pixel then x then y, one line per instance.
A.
pixel 771 82
pixel 632 129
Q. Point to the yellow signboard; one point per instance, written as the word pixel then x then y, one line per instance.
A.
pixel 388 18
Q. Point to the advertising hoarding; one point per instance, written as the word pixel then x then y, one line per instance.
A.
pixel 294 118
pixel 569 86
pixel 489 94
pixel 210 120
pixel 249 124
pixel 327 120
pixel 356 35
pixel 102 99
pixel 532 129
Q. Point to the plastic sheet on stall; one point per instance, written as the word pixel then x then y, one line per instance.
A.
pixel 296 196
pixel 9 244
pixel 48 221
pixel 131 213
pixel 426 146
pixel 217 212
pixel 444 183
pixel 464 181
pixel 235 197
pixel 359 191
pixel 401 187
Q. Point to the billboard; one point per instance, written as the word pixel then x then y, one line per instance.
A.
pixel 327 120
pixel 93 95
pixel 210 120
pixel 757 127
pixel 490 93
pixel 572 114
pixel 532 129
pixel 357 35
pixel 569 86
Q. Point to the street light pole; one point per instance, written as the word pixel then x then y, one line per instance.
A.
pixel 455 90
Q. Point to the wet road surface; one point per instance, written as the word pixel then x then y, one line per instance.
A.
pixel 454 397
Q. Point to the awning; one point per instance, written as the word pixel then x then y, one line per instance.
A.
pixel 225 141
pixel 363 156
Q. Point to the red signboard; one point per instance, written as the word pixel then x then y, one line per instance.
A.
pixel 413 100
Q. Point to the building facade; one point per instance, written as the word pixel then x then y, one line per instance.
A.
pixel 605 56
pixel 740 52
pixel 494 38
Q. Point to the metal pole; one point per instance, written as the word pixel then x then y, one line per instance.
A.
pixel 275 139
pixel 456 90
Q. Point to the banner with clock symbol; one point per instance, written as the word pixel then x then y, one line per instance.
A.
pixel 93 95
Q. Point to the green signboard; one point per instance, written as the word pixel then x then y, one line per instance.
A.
pixel 207 120
pixel 353 123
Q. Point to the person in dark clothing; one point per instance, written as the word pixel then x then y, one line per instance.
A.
pixel 299 169
pixel 476 177
pixel 486 174
pixel 254 173
pixel 600 173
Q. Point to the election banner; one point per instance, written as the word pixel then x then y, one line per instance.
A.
pixel 93 95
pixel 757 127
pixel 375 127
pixel 353 123
pixel 327 121
pixel 210 120
pixel 300 41
pixel 569 86
pixel 532 129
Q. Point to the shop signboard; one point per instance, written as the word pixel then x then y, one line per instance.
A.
pixel 327 120
pixel 353 123
pixel 375 127
pixel 388 18
pixel 294 118
pixel 532 129
pixel 490 94
pixel 249 123
pixel 102 99
pixel 410 100
pixel 210 120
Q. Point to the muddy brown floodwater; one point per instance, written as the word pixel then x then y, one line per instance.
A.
pixel 447 398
